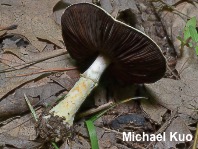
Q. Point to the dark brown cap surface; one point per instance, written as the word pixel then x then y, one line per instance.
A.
pixel 88 31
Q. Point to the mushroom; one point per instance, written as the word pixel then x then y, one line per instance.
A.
pixel 93 37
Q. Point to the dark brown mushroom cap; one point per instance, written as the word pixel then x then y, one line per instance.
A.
pixel 88 30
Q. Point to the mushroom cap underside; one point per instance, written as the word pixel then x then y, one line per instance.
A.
pixel 88 30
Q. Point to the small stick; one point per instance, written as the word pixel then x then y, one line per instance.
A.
pixel 46 70
pixel 109 105
pixel 111 130
pixel 95 110
pixel 173 73
pixel 196 139
pixel 61 52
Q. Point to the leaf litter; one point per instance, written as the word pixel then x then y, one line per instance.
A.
pixel 33 21
pixel 180 93
pixel 20 64
pixel 20 132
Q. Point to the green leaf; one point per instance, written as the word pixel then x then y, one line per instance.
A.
pixel 92 134
pixel 190 44
pixel 196 50
pixel 31 108
pixel 191 22
pixel 54 145
pixel 193 33
pixel 91 127
pixel 180 39
pixel 186 33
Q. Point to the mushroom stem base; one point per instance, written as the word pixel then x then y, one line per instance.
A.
pixel 68 107
pixel 53 128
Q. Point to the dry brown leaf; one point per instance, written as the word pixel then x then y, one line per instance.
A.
pixel 111 6
pixel 107 140
pixel 12 79
pixel 171 2
pixel 17 142
pixel 79 142
pixel 61 5
pixel 181 94
pixel 177 126
pixel 23 127
pixel 15 104
pixel 33 19
pixel 178 94
pixel 154 111
pixel 65 81
pixel 2 33
pixel 19 132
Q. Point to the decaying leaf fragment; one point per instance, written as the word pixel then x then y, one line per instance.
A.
pixel 19 60
pixel 34 22
pixel 175 135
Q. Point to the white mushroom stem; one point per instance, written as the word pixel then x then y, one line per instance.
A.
pixel 68 107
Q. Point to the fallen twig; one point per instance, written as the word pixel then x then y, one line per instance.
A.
pixel 95 110
pixel 45 70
